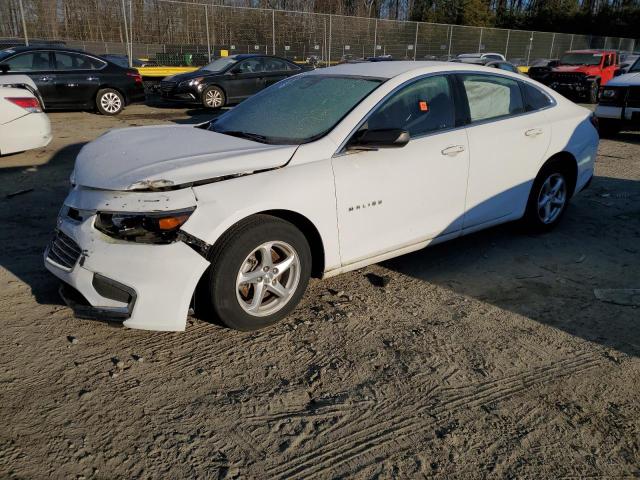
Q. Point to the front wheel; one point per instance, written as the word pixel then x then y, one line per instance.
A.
pixel 213 97
pixel 548 199
pixel 109 101
pixel 259 271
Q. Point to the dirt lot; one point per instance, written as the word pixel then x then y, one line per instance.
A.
pixel 489 356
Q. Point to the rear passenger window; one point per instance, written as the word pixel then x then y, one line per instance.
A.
pixel 534 98
pixel 492 97
pixel 422 107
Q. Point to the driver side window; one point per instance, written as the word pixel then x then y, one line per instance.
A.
pixel 423 107
pixel 253 65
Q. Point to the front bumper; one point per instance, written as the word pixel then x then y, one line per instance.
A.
pixel 628 117
pixel 143 286
pixel 569 89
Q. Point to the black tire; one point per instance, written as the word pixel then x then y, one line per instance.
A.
pixel 221 295
pixel 608 127
pixel 533 218
pixel 213 97
pixel 109 101
pixel 594 93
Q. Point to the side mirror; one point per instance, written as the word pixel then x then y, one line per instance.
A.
pixel 4 68
pixel 554 63
pixel 234 71
pixel 618 72
pixel 375 139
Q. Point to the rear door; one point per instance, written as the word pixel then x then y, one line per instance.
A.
pixel 246 79
pixel 274 71
pixel 77 78
pixel 507 145
pixel 38 65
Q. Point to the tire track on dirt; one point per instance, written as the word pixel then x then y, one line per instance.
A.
pixel 319 462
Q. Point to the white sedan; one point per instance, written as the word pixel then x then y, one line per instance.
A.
pixel 322 173
pixel 23 124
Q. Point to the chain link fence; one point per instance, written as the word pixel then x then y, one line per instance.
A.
pixel 174 32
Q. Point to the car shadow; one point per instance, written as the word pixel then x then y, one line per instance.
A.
pixel 552 278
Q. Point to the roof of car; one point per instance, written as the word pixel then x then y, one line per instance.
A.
pixel 24 48
pixel 592 50
pixel 395 68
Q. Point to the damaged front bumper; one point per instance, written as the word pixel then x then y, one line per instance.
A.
pixel 141 286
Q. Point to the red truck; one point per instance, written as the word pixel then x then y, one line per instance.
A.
pixel 579 73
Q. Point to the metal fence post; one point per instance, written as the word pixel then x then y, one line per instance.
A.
pixel 273 32
pixel 530 47
pixel 553 40
pixel 126 31
pixel 506 48
pixel 206 19
pixel 450 38
pixel 571 43
pixel 24 24
pixel 415 42
pixel 329 53
pixel 480 42
pixel 375 38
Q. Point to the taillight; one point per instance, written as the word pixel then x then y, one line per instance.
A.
pixel 30 104
pixel 136 76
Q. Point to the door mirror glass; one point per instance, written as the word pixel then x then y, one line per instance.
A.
pixel 375 139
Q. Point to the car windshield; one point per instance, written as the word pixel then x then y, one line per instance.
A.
pixel 219 64
pixel 636 66
pixel 581 59
pixel 297 110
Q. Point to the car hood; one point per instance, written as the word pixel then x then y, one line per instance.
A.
pixel 156 157
pixel 576 69
pixel 626 80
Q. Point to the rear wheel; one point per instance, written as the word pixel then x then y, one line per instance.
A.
pixel 548 199
pixel 259 271
pixel 109 101
pixel 213 97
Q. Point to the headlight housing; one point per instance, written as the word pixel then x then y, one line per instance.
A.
pixel 194 82
pixel 609 93
pixel 153 227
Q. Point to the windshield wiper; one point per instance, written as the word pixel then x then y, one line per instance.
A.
pixel 248 135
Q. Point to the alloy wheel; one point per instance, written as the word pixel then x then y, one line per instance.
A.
pixel 268 278
pixel 111 102
pixel 213 98
pixel 552 198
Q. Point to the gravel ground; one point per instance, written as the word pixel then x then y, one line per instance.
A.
pixel 489 356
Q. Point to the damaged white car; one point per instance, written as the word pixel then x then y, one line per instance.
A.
pixel 322 173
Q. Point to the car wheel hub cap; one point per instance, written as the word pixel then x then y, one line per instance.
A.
pixel 110 102
pixel 552 198
pixel 214 98
pixel 268 278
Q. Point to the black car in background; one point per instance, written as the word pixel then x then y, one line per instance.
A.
pixel 75 80
pixel 228 80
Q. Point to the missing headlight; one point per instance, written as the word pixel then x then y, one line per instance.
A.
pixel 156 227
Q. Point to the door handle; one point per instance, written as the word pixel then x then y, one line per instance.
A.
pixel 534 132
pixel 91 79
pixel 72 84
pixel 453 150
pixel 45 78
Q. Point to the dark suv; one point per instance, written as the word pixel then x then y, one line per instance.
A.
pixel 228 80
pixel 75 80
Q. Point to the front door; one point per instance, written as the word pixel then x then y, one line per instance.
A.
pixel 246 79
pixel 37 65
pixel 393 198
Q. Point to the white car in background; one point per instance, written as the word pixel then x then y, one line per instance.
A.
pixel 319 174
pixel 23 124
pixel 619 104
